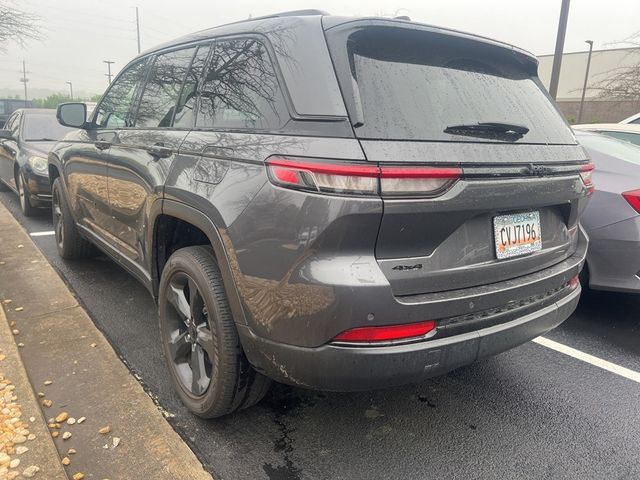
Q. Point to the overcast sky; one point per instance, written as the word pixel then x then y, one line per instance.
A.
pixel 80 34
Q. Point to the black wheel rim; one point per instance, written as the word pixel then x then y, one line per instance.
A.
pixel 188 334
pixel 58 224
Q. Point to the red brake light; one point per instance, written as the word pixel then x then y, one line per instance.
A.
pixel 633 197
pixel 360 179
pixel 574 282
pixel 386 333
pixel 586 174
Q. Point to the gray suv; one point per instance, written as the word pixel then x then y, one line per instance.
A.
pixel 334 203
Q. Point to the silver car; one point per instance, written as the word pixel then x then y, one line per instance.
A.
pixel 612 218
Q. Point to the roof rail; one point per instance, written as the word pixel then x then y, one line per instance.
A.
pixel 291 13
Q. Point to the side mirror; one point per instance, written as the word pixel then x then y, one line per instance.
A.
pixel 6 135
pixel 72 114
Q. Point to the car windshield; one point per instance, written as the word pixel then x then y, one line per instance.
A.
pixel 611 146
pixel 43 127
pixel 416 85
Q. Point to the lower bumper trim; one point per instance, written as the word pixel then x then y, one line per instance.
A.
pixel 339 368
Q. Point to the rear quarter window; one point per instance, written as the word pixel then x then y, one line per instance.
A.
pixel 241 89
pixel 411 84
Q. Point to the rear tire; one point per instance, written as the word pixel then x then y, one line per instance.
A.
pixel 71 246
pixel 28 210
pixel 201 346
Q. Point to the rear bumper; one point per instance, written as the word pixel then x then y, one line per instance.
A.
pixel 614 257
pixel 339 368
pixel 473 323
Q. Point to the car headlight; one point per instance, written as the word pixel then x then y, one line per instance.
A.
pixel 39 165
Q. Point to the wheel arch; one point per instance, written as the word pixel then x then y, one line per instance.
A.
pixel 193 217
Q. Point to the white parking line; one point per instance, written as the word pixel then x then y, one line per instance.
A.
pixel 585 357
pixel 42 234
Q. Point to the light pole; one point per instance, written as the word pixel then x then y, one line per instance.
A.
pixel 70 89
pixel 557 57
pixel 108 74
pixel 586 79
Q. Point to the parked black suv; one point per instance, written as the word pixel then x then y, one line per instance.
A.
pixel 334 203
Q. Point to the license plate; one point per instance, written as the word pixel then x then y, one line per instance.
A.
pixel 517 234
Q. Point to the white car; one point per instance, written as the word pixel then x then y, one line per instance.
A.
pixel 629 132
pixel 632 119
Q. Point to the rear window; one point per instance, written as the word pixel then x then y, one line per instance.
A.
pixel 410 84
pixel 611 146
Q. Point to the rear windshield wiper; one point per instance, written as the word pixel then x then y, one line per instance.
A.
pixel 489 129
pixel 41 139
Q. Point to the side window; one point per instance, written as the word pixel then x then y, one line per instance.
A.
pixel 636 121
pixel 114 109
pixel 161 92
pixel 185 110
pixel 627 137
pixel 3 107
pixel 241 89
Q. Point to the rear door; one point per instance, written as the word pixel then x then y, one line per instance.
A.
pixel 140 157
pixel 499 194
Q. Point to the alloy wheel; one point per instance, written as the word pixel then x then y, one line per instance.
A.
pixel 188 335
pixel 21 193
pixel 58 223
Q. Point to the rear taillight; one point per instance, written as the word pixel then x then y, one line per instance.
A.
pixel 586 174
pixel 574 282
pixel 633 197
pixel 386 333
pixel 350 178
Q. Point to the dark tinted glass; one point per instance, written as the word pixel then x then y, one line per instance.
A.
pixel 114 109
pixel 185 110
pixel 3 108
pixel 241 89
pixel 412 85
pixel 627 137
pixel 161 92
pixel 37 126
pixel 636 121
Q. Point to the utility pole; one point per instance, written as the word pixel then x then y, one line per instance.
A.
pixel 70 89
pixel 138 28
pixel 108 74
pixel 24 80
pixel 586 79
pixel 557 57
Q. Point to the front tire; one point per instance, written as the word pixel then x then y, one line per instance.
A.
pixel 208 367
pixel 28 210
pixel 71 246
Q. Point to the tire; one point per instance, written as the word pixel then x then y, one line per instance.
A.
pixel 71 246
pixel 28 210
pixel 198 335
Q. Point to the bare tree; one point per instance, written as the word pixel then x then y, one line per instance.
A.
pixel 17 25
pixel 622 83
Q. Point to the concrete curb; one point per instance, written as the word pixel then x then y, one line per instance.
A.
pixel 42 452
pixel 88 379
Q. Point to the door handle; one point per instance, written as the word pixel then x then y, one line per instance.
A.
pixel 159 151
pixel 101 145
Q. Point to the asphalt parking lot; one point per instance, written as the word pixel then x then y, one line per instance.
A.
pixel 532 412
